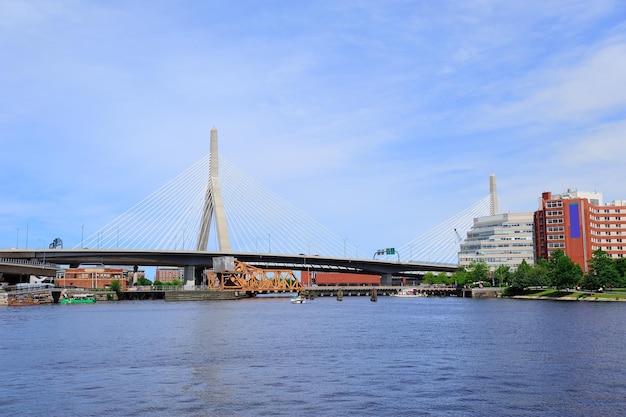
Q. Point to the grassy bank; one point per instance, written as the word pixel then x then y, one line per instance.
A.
pixel 564 295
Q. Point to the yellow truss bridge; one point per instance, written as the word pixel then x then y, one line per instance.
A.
pixel 250 279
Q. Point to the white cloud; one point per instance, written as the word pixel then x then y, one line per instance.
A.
pixel 591 90
pixel 604 145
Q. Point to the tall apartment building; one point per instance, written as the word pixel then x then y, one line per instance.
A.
pixel 579 223
pixel 500 239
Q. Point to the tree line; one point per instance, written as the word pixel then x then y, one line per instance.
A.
pixel 557 271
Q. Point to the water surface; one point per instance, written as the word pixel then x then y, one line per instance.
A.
pixel 268 357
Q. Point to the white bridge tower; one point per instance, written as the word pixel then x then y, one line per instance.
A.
pixel 213 205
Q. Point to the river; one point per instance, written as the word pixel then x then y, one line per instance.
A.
pixel 268 357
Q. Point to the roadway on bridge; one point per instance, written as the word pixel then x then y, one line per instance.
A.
pixel 74 257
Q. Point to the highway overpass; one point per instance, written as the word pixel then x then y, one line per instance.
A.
pixel 204 259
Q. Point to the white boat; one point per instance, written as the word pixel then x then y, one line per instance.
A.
pixel 409 293
pixel 298 300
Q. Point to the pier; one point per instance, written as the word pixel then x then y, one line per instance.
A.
pixel 383 290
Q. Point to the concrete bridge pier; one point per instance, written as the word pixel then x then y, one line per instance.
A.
pixel 189 275
pixel 385 279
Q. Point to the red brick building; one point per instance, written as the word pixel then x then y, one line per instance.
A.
pixel 91 277
pixel 168 274
pixel 579 223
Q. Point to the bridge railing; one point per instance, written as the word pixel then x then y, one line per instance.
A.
pixel 156 288
pixel 26 262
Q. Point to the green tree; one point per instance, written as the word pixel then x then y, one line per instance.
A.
pixel 459 276
pixel 502 275
pixel 443 278
pixel 602 271
pixel 521 278
pixel 478 271
pixel 115 285
pixel 539 276
pixel 562 272
pixel 429 278
pixel 144 281
pixel 620 264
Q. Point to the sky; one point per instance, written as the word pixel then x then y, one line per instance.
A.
pixel 379 119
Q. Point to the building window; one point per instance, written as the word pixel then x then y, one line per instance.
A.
pixel 555 245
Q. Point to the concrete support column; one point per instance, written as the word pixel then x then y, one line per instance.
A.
pixel 189 275
pixel 385 279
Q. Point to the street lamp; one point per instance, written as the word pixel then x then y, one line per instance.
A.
pixel 82 236
pixel 17 241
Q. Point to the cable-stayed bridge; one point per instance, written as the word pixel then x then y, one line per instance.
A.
pixel 197 218
pixel 184 214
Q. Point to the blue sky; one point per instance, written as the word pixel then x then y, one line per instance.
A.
pixel 379 119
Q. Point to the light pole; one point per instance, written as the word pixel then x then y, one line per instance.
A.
pixel 82 236
pixel 17 240
pixel 344 248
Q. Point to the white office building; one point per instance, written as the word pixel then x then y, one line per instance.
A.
pixel 500 239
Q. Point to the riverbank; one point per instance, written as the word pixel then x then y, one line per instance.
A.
pixel 571 295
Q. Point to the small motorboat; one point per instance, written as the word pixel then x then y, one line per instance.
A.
pixel 409 293
pixel 297 299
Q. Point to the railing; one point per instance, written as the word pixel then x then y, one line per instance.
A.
pixel 26 262
pixel 28 290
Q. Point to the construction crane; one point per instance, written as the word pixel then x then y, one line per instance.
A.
pixel 459 238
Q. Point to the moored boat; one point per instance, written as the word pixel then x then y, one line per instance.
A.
pixel 298 300
pixel 79 298
pixel 409 293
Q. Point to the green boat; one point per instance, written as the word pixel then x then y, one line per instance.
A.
pixel 85 298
